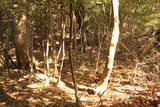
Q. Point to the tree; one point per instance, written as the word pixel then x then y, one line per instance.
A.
pixel 70 54
pixel 24 39
pixel 112 49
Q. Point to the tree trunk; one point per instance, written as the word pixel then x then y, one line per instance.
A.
pixel 63 28
pixel 70 54
pixel 24 40
pixel 110 55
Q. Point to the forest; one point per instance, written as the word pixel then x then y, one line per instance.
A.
pixel 79 53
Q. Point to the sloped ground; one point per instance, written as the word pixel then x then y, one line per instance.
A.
pixel 128 88
pixel 131 85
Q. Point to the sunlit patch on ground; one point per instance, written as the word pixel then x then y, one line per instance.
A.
pixel 30 89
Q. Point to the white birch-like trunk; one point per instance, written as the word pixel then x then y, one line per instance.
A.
pixel 112 49
pixel 47 53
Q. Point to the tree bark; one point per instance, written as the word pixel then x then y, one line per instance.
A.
pixel 24 39
pixel 112 49
pixel 63 28
pixel 70 54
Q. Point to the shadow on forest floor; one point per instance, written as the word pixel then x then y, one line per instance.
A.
pixel 128 88
pixel 16 91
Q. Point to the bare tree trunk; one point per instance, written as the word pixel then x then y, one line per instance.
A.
pixel 112 49
pixel 100 41
pixel 46 55
pixel 21 41
pixel 14 34
pixel 24 39
pixel 46 63
pixel 70 54
pixel 63 42
pixel 110 24
pixel 74 32
pixel 63 51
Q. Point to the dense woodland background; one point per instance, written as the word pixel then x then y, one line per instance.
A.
pixel 52 51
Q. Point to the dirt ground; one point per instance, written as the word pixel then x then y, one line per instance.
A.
pixel 127 88
pixel 130 85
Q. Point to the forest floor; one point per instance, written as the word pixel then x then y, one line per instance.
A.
pixel 128 87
